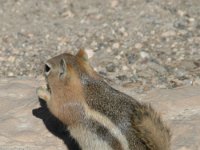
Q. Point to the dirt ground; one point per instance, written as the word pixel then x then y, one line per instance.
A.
pixel 144 44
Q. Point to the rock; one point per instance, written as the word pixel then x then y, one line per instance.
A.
pixel 122 77
pixel 144 54
pixel 125 68
pixel 11 59
pixel 168 33
pixel 26 124
pixel 10 74
pixel 115 45
pixel 180 24
pixel 187 65
pixel 67 14
pixel 122 30
pixel 181 13
pixel 198 25
pixel 114 3
pixel 180 73
pixel 181 109
pixel 131 58
pixel 111 67
pixel 138 45
pixel 157 67
pixel 20 129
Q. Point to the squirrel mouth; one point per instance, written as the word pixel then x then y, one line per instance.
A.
pixel 48 88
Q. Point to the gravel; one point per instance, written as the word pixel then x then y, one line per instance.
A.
pixel 144 44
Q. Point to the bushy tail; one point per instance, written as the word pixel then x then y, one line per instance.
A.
pixel 149 127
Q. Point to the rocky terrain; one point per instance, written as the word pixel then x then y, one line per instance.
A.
pixel 149 49
pixel 145 44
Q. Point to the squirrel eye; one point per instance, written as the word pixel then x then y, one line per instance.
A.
pixel 47 69
pixel 62 69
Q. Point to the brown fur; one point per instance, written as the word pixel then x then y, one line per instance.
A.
pixel 150 128
pixel 78 97
pixel 67 113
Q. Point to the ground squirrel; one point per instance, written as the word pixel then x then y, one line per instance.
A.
pixel 98 116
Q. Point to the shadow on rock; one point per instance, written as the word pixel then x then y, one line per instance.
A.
pixel 55 126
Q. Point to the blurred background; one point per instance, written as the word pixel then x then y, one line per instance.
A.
pixel 143 44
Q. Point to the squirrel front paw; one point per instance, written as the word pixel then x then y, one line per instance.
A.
pixel 43 93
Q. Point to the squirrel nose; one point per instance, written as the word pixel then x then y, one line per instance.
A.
pixel 47 69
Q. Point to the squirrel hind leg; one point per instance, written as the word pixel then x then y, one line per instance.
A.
pixel 43 94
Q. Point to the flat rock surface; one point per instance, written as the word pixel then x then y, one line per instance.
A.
pixel 20 129
pixel 181 109
pixel 26 124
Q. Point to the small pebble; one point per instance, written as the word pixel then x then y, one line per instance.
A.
pixel 122 77
pixel 180 24
pixel 181 13
pixel 138 45
pixel 131 58
pixel 124 68
pixel 111 67
pixel 114 3
pixel 10 74
pixel 144 54
pixel 115 46
pixel 11 59
pixel 168 33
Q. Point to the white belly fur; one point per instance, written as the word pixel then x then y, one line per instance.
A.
pixel 88 140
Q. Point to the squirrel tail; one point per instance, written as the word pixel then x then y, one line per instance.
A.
pixel 149 127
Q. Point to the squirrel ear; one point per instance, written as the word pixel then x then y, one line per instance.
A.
pixel 82 54
pixel 62 69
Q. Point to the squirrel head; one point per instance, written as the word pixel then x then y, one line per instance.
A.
pixel 65 69
pixel 65 75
